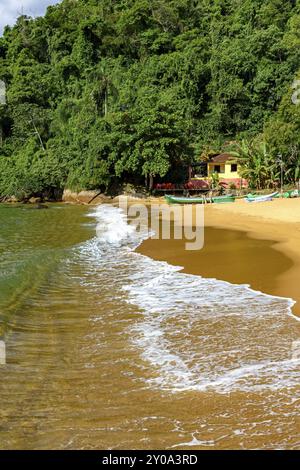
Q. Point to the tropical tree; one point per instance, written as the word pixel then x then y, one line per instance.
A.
pixel 258 165
pixel 105 92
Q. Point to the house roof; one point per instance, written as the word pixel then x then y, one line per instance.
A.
pixel 222 158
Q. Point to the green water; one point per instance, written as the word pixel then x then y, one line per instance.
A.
pixel 32 243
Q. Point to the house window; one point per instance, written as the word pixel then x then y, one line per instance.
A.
pixel 234 168
pixel 217 169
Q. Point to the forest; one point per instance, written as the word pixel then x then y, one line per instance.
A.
pixel 105 92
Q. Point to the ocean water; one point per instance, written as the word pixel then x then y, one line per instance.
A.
pixel 107 348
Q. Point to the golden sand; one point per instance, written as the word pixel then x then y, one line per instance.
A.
pixel 256 244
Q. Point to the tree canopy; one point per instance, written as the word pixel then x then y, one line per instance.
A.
pixel 103 91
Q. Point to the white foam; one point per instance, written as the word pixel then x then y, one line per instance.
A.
pixel 195 333
pixel 195 442
pixel 112 227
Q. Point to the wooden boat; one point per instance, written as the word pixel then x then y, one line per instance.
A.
pixel 186 200
pixel 267 197
pixel 199 200
pixel 223 199
pixel 289 194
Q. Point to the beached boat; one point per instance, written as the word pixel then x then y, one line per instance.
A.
pixel 289 194
pixel 199 200
pixel 223 199
pixel 186 200
pixel 264 198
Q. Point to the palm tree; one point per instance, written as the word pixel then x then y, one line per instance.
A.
pixel 214 181
pixel 104 88
pixel 257 163
pixel 293 163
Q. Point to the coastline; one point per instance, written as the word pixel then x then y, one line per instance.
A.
pixel 253 244
pixel 173 354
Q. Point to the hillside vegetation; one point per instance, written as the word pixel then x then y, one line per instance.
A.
pixel 101 92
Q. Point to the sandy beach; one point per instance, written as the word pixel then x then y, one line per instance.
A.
pixel 255 244
pixel 148 357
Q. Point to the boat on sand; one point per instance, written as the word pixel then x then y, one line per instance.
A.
pixel 264 198
pixel 199 200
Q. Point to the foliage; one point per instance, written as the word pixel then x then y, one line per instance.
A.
pixel 258 164
pixel 103 92
pixel 214 181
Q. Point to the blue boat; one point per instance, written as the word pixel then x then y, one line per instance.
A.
pixel 267 197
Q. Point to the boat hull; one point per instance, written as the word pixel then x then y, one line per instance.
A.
pixel 185 200
pixel 289 194
pixel 267 197
pixel 223 199
pixel 195 200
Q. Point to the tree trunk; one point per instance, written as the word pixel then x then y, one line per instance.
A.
pixel 38 134
pixel 150 182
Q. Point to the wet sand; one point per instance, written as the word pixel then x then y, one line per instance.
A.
pixel 109 350
pixel 254 244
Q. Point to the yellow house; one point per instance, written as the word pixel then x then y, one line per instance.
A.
pixel 226 166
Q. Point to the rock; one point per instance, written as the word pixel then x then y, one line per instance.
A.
pixel 12 199
pixel 35 200
pixel 85 197
pixel 69 196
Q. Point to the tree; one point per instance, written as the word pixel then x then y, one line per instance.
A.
pixel 258 164
pixel 111 91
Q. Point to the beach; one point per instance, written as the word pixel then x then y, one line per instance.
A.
pixel 110 349
pixel 255 244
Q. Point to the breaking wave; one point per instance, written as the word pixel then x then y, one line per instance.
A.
pixel 196 334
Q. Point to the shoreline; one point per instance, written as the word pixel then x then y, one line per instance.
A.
pixel 253 244
pixel 267 235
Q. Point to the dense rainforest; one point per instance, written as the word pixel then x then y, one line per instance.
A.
pixel 101 92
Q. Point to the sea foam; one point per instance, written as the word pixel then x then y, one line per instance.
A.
pixel 196 334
